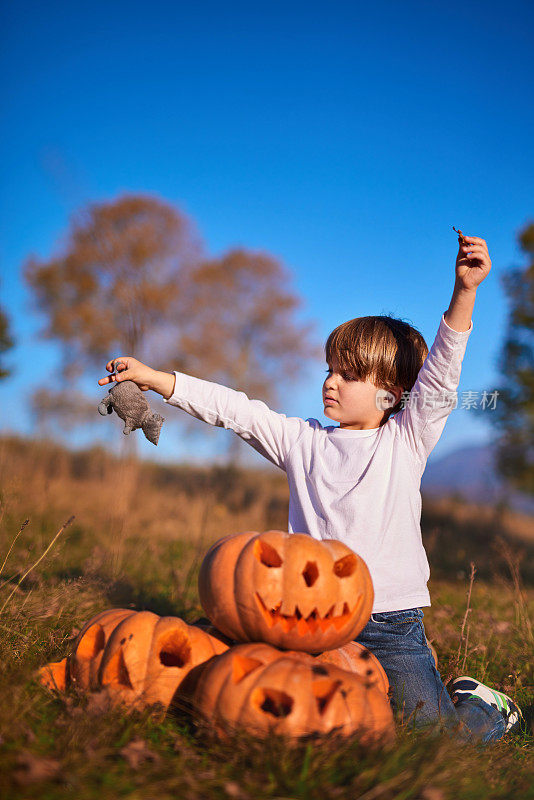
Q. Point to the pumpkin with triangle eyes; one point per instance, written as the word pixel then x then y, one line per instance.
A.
pixel 136 657
pixel 354 657
pixel 289 590
pixel 261 689
pixel 80 667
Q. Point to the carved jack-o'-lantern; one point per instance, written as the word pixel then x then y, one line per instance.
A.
pixel 289 590
pixel 137 658
pixel 261 689
pixel 354 657
pixel 81 666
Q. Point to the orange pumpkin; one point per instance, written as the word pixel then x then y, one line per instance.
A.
pixel 261 689
pixel 354 657
pixel 136 657
pixel 289 590
pixel 80 667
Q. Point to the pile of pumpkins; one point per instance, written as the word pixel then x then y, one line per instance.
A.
pixel 277 656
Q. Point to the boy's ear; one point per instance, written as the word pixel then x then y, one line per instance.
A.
pixel 397 394
pixel 397 391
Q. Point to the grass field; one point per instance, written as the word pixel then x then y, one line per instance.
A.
pixel 138 535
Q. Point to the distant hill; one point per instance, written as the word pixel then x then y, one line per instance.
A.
pixel 470 472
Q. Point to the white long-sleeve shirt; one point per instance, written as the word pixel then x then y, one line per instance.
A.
pixel 359 486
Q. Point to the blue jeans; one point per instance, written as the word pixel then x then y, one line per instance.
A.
pixel 397 639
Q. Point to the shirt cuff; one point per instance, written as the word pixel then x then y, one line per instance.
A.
pixel 448 331
pixel 174 395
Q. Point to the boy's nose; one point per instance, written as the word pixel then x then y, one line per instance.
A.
pixel 330 382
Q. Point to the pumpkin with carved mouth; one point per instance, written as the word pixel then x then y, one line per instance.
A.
pixel 263 690
pixel 135 657
pixel 354 657
pixel 289 590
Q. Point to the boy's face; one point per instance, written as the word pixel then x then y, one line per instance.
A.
pixel 355 404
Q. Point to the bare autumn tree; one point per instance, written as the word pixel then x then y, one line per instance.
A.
pixel 117 279
pixel 513 416
pixel 112 288
pixel 131 279
pixel 241 327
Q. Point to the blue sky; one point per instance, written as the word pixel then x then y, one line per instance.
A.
pixel 344 138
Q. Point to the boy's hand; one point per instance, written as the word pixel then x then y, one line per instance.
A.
pixel 472 262
pixel 129 369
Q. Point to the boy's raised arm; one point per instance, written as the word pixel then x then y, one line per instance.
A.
pixel 433 395
pixel 473 264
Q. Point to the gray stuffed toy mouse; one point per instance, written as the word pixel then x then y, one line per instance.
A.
pixel 127 399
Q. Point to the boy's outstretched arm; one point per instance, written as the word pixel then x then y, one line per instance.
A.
pixel 473 264
pixel 433 395
pixel 268 432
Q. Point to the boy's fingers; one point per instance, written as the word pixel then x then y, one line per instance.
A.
pixel 483 248
pixel 119 366
pixel 478 247
pixel 120 361
pixel 478 256
pixel 476 240
pixel 472 248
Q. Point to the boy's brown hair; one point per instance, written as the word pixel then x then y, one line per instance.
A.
pixel 387 351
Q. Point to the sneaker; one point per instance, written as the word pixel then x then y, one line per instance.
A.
pixel 465 688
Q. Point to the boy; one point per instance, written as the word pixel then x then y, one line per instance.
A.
pixel 359 480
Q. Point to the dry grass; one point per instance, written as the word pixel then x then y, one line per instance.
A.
pixel 137 539
pixel 515 525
